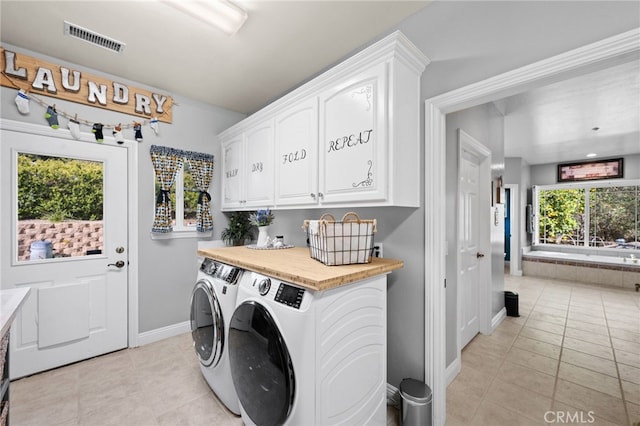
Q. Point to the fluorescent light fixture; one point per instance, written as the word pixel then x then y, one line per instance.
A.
pixel 591 155
pixel 222 14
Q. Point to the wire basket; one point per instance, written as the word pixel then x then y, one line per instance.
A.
pixel 341 242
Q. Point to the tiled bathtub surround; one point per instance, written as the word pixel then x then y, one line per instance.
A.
pixel 590 270
pixel 572 357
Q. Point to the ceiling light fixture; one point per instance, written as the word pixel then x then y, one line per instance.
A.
pixel 591 155
pixel 222 14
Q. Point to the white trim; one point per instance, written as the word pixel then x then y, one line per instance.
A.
pixel 453 370
pixel 163 333
pixel 516 224
pixel 393 396
pixel 498 318
pixel 132 215
pixel 619 48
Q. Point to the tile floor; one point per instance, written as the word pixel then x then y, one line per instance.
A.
pixel 574 352
pixel 573 356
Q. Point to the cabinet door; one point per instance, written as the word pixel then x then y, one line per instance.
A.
pixel 232 173
pixel 296 155
pixel 353 139
pixel 259 174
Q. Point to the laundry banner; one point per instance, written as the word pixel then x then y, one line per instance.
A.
pixel 36 76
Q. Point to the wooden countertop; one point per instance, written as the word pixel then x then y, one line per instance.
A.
pixel 294 265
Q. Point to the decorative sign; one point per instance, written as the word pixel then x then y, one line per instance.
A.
pixel 34 75
pixel 590 170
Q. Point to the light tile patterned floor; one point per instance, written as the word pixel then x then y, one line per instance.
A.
pixel 572 357
pixel 574 350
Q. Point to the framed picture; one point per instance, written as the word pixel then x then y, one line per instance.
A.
pixel 590 170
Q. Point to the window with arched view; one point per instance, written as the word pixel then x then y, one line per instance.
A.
pixel 60 207
pixel 589 215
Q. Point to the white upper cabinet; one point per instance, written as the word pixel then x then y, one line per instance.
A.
pixel 296 133
pixel 248 174
pixel 348 138
pixel 353 139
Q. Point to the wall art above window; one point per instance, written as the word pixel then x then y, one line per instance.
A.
pixel 590 170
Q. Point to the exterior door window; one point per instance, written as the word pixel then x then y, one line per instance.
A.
pixel 60 207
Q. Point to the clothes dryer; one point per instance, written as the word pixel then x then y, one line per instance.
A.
pixel 304 357
pixel 213 301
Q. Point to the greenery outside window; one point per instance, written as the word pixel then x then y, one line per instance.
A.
pixel 591 215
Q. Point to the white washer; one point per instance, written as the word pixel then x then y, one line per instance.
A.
pixel 213 301
pixel 308 357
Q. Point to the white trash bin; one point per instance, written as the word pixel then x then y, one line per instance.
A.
pixel 415 407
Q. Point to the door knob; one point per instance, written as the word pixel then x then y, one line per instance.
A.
pixel 479 255
pixel 118 264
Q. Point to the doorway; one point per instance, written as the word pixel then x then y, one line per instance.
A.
pixel 602 54
pixel 77 263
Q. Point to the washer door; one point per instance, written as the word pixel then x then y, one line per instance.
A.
pixel 207 324
pixel 260 365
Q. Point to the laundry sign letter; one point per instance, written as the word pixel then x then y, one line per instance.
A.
pixel 97 93
pixel 120 93
pixel 10 66
pixel 44 77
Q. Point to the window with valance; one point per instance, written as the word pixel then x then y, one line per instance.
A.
pixel 167 163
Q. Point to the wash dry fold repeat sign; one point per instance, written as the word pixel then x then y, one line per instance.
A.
pixel 33 75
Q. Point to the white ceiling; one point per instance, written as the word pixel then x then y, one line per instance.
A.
pixel 285 43
pixel 281 45
pixel 555 123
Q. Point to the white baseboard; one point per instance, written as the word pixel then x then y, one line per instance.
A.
pixel 393 395
pixel 500 316
pixel 452 370
pixel 163 333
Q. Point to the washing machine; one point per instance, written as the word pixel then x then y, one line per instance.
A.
pixel 305 357
pixel 212 303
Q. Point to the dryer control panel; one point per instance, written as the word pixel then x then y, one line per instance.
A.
pixel 289 295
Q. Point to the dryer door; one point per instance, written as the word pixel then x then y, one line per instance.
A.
pixel 207 324
pixel 260 365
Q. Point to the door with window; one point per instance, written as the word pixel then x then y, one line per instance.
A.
pixel 65 236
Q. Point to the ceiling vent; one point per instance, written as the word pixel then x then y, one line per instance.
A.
pixel 92 37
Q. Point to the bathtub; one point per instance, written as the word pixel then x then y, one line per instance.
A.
pixel 613 271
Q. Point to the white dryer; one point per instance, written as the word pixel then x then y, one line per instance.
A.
pixel 304 357
pixel 212 303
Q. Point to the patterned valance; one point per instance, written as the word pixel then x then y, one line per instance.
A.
pixel 166 162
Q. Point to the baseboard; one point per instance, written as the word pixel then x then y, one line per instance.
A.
pixel 163 333
pixel 393 395
pixel 496 320
pixel 452 370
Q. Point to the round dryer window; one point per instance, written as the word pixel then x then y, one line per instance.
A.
pixel 207 326
pixel 260 365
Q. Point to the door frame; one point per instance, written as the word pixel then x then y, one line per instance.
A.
pixel 514 228
pixel 466 142
pixel 132 214
pixel 610 51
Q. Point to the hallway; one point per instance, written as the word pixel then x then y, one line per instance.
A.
pixel 572 357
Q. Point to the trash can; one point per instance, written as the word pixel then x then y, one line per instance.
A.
pixel 511 303
pixel 415 407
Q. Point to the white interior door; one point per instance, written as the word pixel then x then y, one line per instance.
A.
pixel 472 277
pixel 77 308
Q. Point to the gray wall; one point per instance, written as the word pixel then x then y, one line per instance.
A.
pixel 167 268
pixel 546 174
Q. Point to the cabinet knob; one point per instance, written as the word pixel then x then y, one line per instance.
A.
pixel 313 195
pixel 320 195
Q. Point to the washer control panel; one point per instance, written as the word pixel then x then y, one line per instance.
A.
pixel 227 273
pixel 289 295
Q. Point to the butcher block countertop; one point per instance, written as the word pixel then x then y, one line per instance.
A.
pixel 294 265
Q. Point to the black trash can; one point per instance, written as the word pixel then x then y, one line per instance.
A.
pixel 511 303
pixel 415 407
